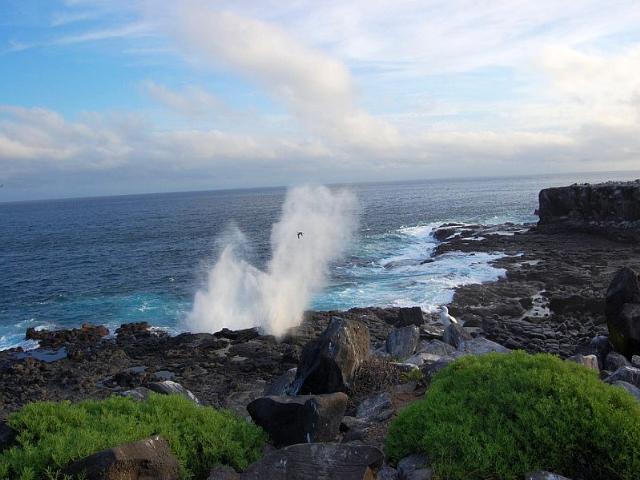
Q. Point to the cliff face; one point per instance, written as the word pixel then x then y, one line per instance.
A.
pixel 612 209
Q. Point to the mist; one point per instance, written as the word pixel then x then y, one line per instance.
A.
pixel 239 295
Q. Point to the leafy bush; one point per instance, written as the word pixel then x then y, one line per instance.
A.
pixel 499 416
pixel 53 434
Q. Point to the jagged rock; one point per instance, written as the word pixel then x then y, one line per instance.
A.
pixel 614 361
pixel 622 309
pixel 317 461
pixel 134 329
pixel 7 436
pixel 410 316
pixel 387 473
pixel 420 359
pixel 238 336
pixel 172 388
pixel 138 393
pixel 328 363
pixel 414 467
pixel 542 475
pixel 146 459
pixel 456 336
pixel 223 472
pixel 402 342
pixel 589 361
pixel 635 361
pixel 375 409
pixel 632 389
pixel 298 419
pixel 431 332
pixel 86 334
pixel 237 401
pixel 625 374
pixel 430 369
pixel 281 385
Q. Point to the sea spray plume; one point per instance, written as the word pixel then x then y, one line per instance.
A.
pixel 239 295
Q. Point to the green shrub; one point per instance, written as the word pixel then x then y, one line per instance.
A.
pixel 499 416
pixel 53 434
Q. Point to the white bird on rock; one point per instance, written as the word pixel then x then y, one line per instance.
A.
pixel 445 318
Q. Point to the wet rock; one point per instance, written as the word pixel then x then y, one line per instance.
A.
pixel 238 336
pixel 622 310
pixel 375 409
pixel 414 467
pixel 169 387
pixel 7 436
pixel 282 384
pixel 150 458
pixel 133 330
pixel 317 461
pixel 589 361
pixel 410 316
pixel 632 389
pixel 402 342
pixel 542 475
pixel 626 374
pixel 299 419
pixel 328 363
pixel 614 361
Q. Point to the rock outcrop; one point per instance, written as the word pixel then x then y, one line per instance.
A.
pixel 611 208
pixel 328 363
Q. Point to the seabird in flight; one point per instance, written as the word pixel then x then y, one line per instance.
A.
pixel 300 234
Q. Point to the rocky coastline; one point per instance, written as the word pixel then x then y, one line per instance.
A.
pixel 555 297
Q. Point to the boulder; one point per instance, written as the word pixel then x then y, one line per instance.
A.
pixel 456 336
pixel 542 475
pixel 420 359
pixel 299 419
pixel 600 347
pixel 138 393
pixel 377 408
pixel 402 342
pixel 317 461
pixel 622 309
pixel 281 385
pixel 414 467
pixel 223 472
pixel 387 473
pixel 480 346
pixel 635 361
pixel 614 361
pixel 169 387
pixel 328 363
pixel 626 374
pixel 589 361
pixel 632 389
pixel 7 436
pixel 147 459
pixel 410 316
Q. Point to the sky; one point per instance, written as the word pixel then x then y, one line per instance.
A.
pixel 138 96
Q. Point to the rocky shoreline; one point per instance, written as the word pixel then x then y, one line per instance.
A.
pixel 551 299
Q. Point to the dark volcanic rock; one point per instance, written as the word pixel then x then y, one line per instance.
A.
pixel 543 475
pixel 625 374
pixel 410 316
pixel 612 209
pixel 317 461
pixel 146 459
pixel 86 334
pixel 169 387
pixel 328 363
pixel 299 419
pixel 623 312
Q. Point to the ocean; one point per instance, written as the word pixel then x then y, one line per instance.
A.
pixel 112 260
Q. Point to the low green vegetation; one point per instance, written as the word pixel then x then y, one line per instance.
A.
pixel 499 416
pixel 53 434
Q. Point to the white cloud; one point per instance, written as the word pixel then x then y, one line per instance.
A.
pixel 192 101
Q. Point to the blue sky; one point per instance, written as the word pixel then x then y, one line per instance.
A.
pixel 110 97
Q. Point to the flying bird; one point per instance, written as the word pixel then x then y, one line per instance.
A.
pixel 445 318
pixel 300 234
